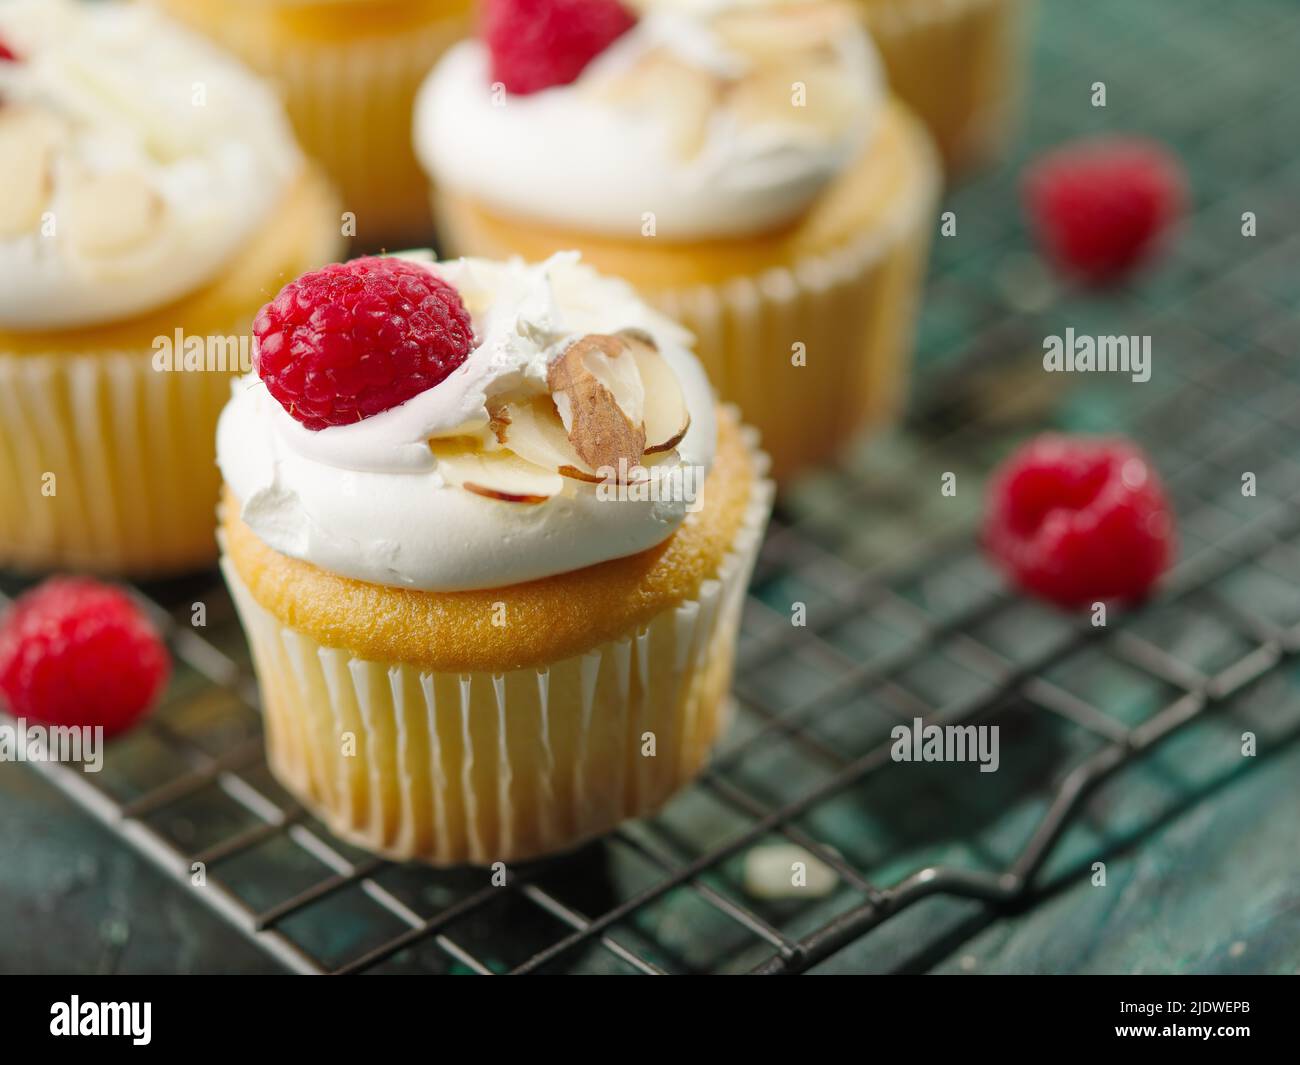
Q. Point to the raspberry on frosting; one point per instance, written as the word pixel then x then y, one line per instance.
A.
pixel 74 651
pixel 537 44
pixel 7 54
pixel 354 339
pixel 1078 520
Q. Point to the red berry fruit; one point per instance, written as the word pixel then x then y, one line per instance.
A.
pixel 74 651
pixel 1101 207
pixel 353 339
pixel 535 44
pixel 7 54
pixel 1079 520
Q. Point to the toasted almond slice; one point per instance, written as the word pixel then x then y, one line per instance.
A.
pixel 532 429
pixel 685 94
pixel 112 214
pixel 494 474
pixel 776 32
pixel 27 139
pixel 600 430
pixel 666 415
pixel 767 97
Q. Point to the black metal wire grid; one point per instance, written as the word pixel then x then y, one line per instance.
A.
pixel 900 625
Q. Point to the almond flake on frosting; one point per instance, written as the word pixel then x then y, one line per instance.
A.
pixel 112 214
pixel 27 139
pixel 583 381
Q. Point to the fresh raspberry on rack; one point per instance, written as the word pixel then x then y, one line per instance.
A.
pixel 535 44
pixel 74 651
pixel 353 339
pixel 1102 207
pixel 1079 520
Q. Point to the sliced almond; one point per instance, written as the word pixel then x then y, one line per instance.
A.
pixel 776 32
pixel 666 415
pixel 112 214
pixel 582 382
pixel 494 474
pixel 27 140
pixel 767 97
pixel 686 95
pixel 532 429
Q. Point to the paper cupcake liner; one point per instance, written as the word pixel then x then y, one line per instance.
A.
pixel 350 100
pixel 106 464
pixel 853 311
pixel 959 64
pixel 456 768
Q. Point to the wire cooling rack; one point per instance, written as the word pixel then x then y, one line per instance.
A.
pixel 1105 730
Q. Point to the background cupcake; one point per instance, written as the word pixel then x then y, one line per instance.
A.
pixel 151 198
pixel 959 64
pixel 348 70
pixel 492 576
pixel 740 165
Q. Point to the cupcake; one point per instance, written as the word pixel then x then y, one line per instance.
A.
pixel 488 535
pixel 740 164
pixel 959 64
pixel 151 199
pixel 348 70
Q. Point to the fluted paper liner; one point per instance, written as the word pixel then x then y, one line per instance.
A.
pixel 482 767
pixel 854 312
pixel 351 101
pixel 959 64
pixel 132 457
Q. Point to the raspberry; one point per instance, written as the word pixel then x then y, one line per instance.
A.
pixel 535 44
pixel 1101 207
pixel 7 54
pixel 77 652
pixel 353 339
pixel 1079 520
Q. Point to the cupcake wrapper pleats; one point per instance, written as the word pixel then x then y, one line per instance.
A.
pixel 351 100
pixel 483 767
pixel 959 65
pixel 817 352
pixel 107 464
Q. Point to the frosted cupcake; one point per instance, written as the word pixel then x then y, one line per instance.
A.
pixel 959 64
pixel 151 198
pixel 740 164
pixel 489 537
pixel 348 70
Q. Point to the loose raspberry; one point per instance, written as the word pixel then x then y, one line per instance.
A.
pixel 1101 207
pixel 535 44
pixel 7 54
pixel 351 340
pixel 1079 520
pixel 74 651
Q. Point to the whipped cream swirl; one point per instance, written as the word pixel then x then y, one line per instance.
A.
pixel 369 501
pixel 137 161
pixel 719 118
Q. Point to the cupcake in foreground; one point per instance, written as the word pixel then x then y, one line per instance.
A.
pixel 740 164
pixel 489 538
pixel 348 70
pixel 959 64
pixel 151 199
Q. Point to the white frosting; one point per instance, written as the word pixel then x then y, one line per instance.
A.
pixel 582 155
pixel 367 500
pixel 131 93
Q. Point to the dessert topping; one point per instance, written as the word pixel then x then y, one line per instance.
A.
pixel 354 339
